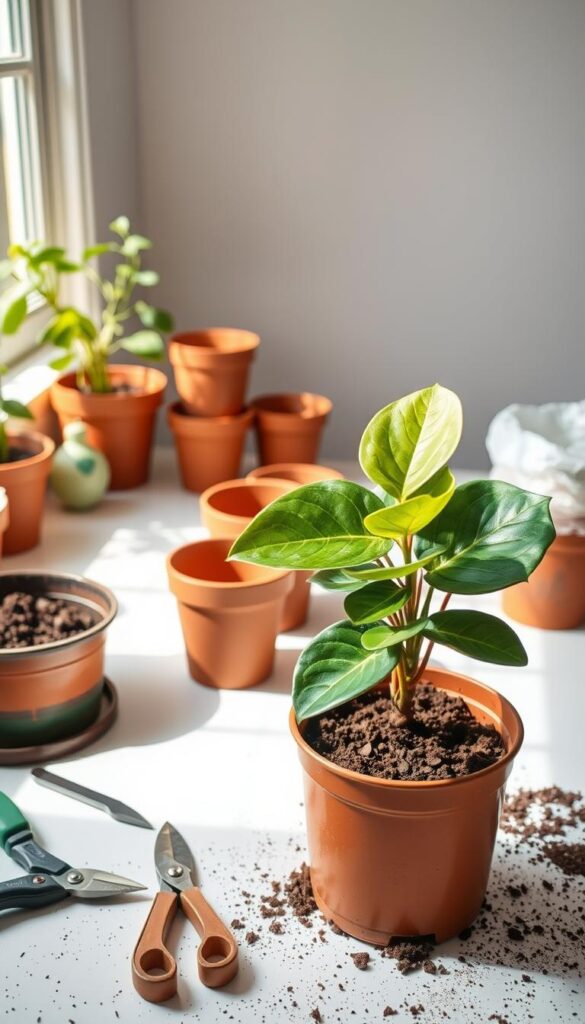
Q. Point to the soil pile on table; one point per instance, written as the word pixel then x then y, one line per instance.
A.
pixel 29 620
pixel 440 740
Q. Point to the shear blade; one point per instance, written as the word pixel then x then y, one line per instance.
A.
pixel 171 849
pixel 94 884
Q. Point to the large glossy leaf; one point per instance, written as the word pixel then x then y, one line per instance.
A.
pixel 335 667
pixel 406 443
pixel 319 526
pixel 336 579
pixel 413 514
pixel 374 601
pixel 478 635
pixel 387 636
pixel 393 572
pixel 493 535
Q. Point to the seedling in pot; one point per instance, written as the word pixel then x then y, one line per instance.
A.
pixel 9 408
pixel 400 553
pixel 38 270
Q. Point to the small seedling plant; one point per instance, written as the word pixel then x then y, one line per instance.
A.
pixel 38 270
pixel 400 552
pixel 9 408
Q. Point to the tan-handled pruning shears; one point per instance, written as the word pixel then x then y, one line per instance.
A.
pixel 154 968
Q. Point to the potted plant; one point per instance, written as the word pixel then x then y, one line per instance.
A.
pixel 25 463
pixel 404 765
pixel 118 403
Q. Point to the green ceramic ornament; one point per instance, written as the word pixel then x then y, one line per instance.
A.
pixel 80 475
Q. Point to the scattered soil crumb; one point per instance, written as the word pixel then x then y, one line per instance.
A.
pixel 361 960
pixel 251 938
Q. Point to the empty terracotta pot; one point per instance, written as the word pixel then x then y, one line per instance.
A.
pixel 296 472
pixel 554 596
pixel 52 691
pixel 4 516
pixel 229 613
pixel 119 423
pixel 211 369
pixel 289 427
pixel 399 859
pixel 209 450
pixel 226 510
pixel 25 480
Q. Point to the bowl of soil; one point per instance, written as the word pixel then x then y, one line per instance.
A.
pixel 52 638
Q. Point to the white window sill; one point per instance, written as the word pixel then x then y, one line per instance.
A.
pixel 31 377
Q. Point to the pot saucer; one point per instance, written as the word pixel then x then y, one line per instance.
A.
pixel 62 748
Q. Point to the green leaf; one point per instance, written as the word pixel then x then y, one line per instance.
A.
pixel 98 250
pixel 318 526
pixel 406 443
pixel 134 244
pixel 66 266
pixel 67 325
pixel 478 635
pixel 147 344
pixel 153 317
pixel 336 579
pixel 120 226
pixel 13 408
pixel 334 668
pixel 387 636
pixel 374 601
pixel 147 278
pixel 62 362
pixel 493 535
pixel 47 254
pixel 411 515
pixel 13 308
pixel 394 572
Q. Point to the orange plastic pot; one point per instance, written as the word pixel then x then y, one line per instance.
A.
pixel 229 614
pixel 211 369
pixel 25 481
pixel 209 450
pixel 289 426
pixel 554 596
pixel 54 690
pixel 4 516
pixel 296 472
pixel 119 424
pixel 226 510
pixel 396 859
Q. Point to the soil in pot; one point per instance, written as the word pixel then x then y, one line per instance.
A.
pixel 28 620
pixel 441 739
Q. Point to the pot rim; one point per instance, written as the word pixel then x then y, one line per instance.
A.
pixel 176 414
pixel 269 575
pixel 55 645
pixel 47 447
pixel 321 405
pixel 247 340
pixel 389 784
pixel 273 468
pixel 242 484
pixel 67 383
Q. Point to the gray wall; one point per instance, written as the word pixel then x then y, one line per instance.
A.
pixel 391 192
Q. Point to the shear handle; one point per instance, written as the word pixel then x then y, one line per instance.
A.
pixel 154 968
pixel 217 956
pixel 25 893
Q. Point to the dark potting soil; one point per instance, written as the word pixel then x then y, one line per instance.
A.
pixel 440 740
pixel 28 620
pixel 19 454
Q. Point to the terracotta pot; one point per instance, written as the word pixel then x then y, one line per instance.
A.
pixel 289 427
pixel 396 859
pixel 53 691
pixel 211 369
pixel 25 481
pixel 208 450
pixel 554 596
pixel 226 510
pixel 4 516
pixel 119 424
pixel 296 472
pixel 229 613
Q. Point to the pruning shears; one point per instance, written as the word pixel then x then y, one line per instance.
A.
pixel 50 879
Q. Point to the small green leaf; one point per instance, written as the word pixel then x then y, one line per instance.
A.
pixel 147 278
pixel 318 526
pixel 477 635
pixel 134 244
pixel 47 254
pixel 334 668
pixel 13 308
pixel 493 535
pixel 374 601
pixel 99 250
pixel 16 409
pixel 147 344
pixel 61 363
pixel 66 266
pixel 120 226
pixel 150 316
pixel 394 572
pixel 336 579
pixel 387 636
pixel 408 517
pixel 406 443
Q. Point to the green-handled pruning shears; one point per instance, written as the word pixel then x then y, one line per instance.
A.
pixel 50 879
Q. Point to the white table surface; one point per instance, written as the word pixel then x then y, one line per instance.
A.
pixel 222 768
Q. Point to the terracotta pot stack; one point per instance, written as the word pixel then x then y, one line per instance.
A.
pixel 210 421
